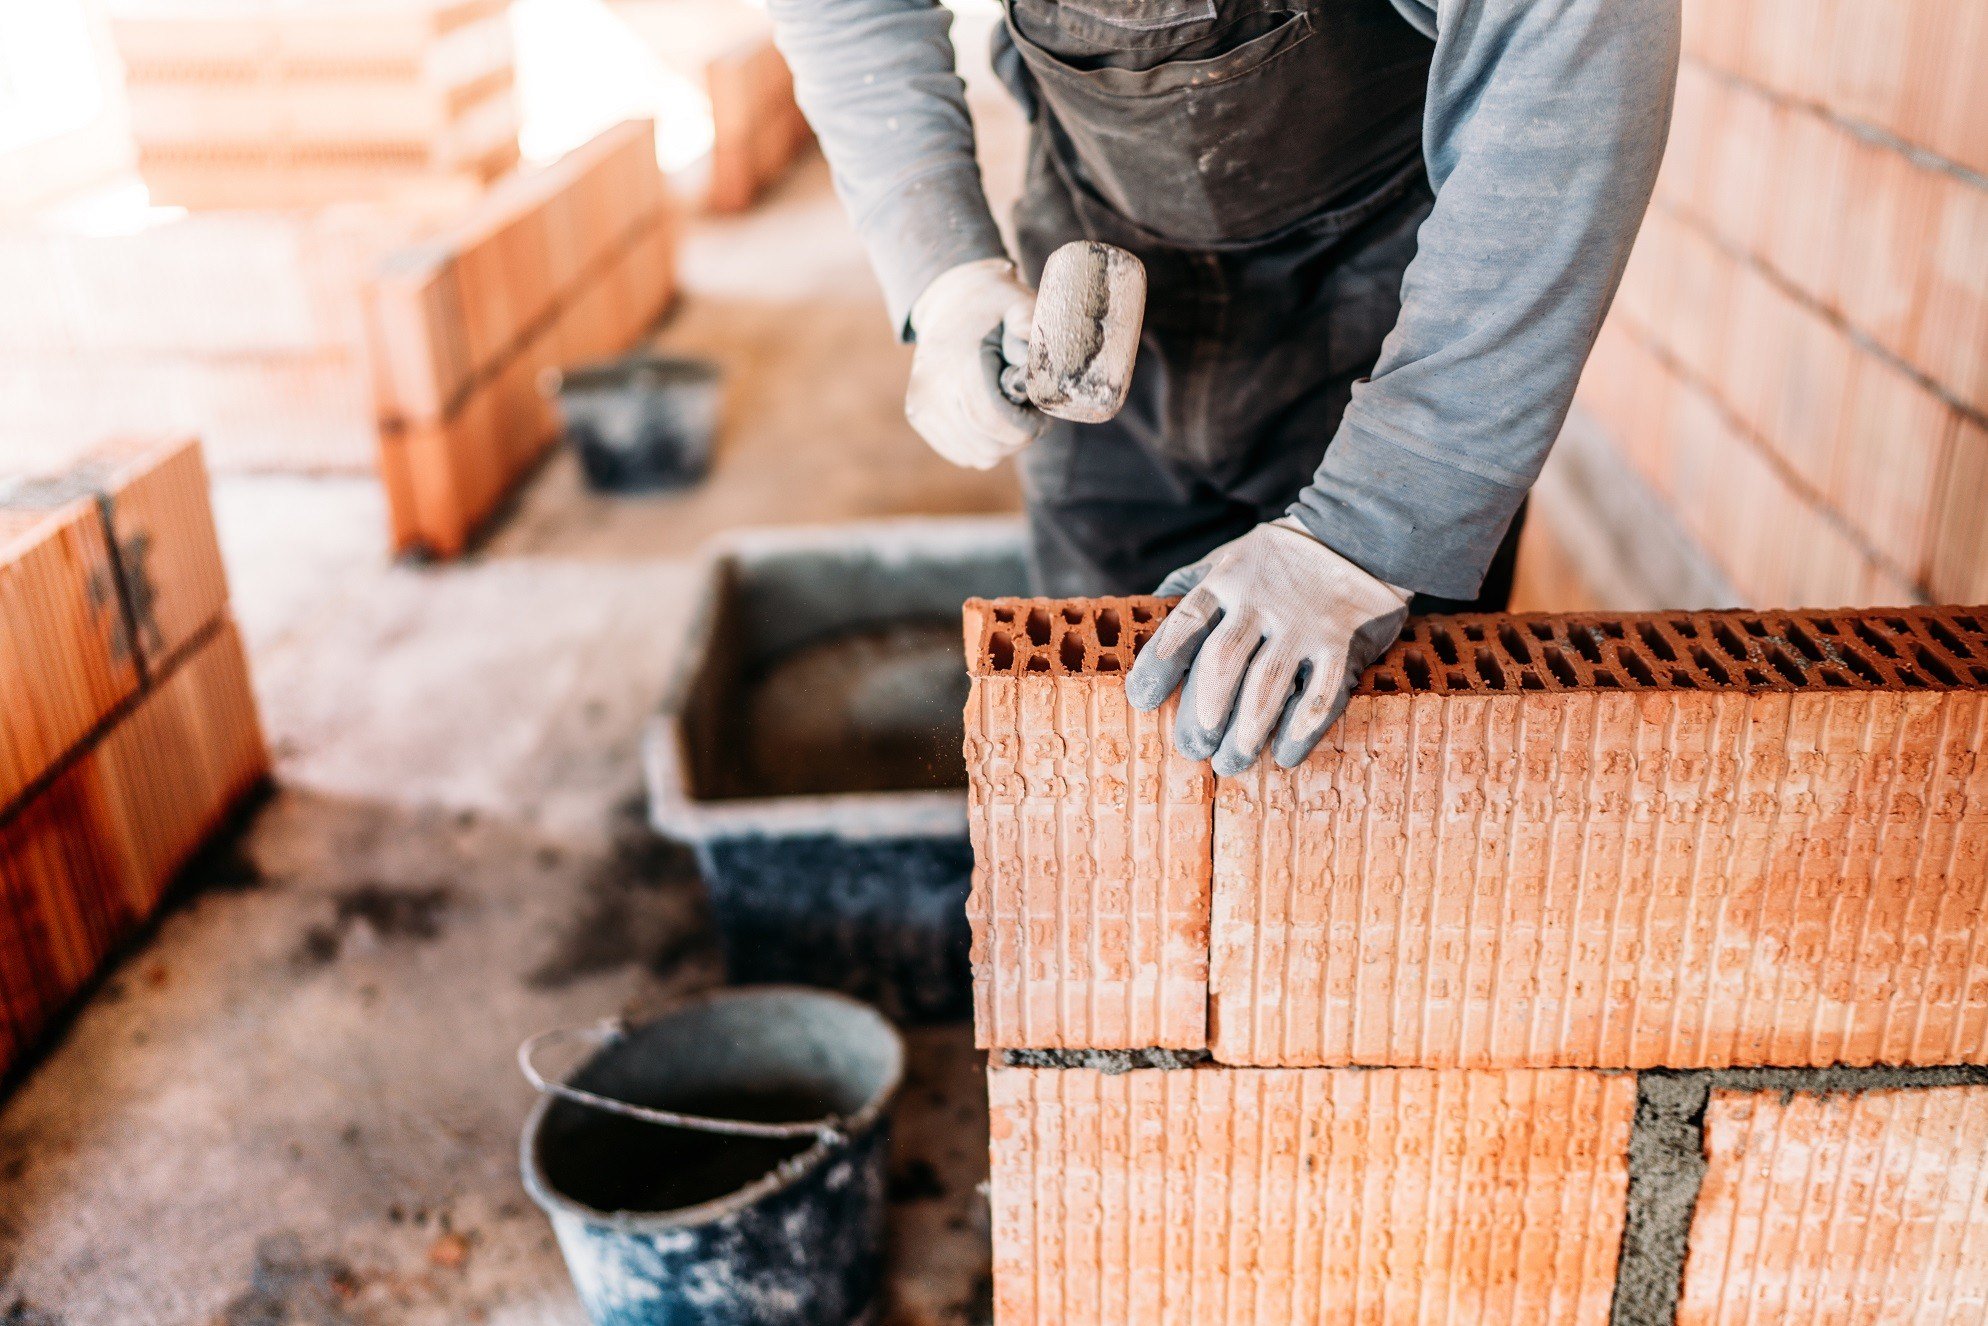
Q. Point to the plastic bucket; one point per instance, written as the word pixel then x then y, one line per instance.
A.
pixel 723 1165
pixel 641 423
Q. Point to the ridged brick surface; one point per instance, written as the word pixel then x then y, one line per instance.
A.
pixel 170 773
pixel 1279 1197
pixel 1090 838
pixel 1847 1209
pixel 1684 841
pixel 66 659
pixel 91 853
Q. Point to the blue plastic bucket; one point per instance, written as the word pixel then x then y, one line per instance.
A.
pixel 723 1165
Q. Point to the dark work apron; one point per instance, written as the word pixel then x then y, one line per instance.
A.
pixel 1263 158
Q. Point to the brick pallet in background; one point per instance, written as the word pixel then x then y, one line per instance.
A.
pixel 246 327
pixel 757 130
pixel 109 334
pixel 66 659
pixel 571 263
pixel 151 501
pixel 110 569
pixel 129 727
pixel 300 105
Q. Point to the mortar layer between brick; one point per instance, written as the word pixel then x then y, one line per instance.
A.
pixel 1852 1209
pixel 1280 1197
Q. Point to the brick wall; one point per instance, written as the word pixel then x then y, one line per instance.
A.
pixel 1798 360
pixel 1470 975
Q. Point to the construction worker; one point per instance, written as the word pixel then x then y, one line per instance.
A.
pixel 1380 237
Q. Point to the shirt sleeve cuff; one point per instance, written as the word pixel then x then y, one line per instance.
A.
pixel 1406 517
pixel 930 224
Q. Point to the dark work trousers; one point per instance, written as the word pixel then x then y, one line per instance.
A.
pixel 1263 159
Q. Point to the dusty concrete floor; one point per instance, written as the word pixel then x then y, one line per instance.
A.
pixel 295 1101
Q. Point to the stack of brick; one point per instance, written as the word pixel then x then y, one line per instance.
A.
pixel 128 731
pixel 558 267
pixel 1592 965
pixel 756 128
pixel 1798 360
pixel 256 104
pixel 345 339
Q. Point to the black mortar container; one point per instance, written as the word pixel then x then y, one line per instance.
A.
pixel 809 752
pixel 642 423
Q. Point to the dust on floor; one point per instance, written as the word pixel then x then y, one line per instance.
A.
pixel 295 1101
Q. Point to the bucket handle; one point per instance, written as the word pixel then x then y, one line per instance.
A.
pixel 606 1033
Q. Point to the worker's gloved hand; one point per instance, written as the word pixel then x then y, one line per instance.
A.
pixel 970 323
pixel 1272 637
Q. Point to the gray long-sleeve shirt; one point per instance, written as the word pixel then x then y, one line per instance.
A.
pixel 1543 130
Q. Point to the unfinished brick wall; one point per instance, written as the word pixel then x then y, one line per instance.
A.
pixel 1536 853
pixel 1798 359
pixel 305 105
pixel 1688 840
pixel 1678 841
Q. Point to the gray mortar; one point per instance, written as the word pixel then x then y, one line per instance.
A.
pixel 1108 1062
pixel 1667 1165
pixel 1085 335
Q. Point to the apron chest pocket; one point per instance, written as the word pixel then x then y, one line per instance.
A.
pixel 1262 38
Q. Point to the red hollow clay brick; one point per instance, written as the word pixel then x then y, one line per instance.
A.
pixel 1684 841
pixel 91 852
pixel 155 496
pixel 66 657
pixel 1674 840
pixel 1861 1208
pixel 1281 1197
pixel 1090 835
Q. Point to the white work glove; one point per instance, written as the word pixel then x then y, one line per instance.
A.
pixel 970 323
pixel 1277 628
